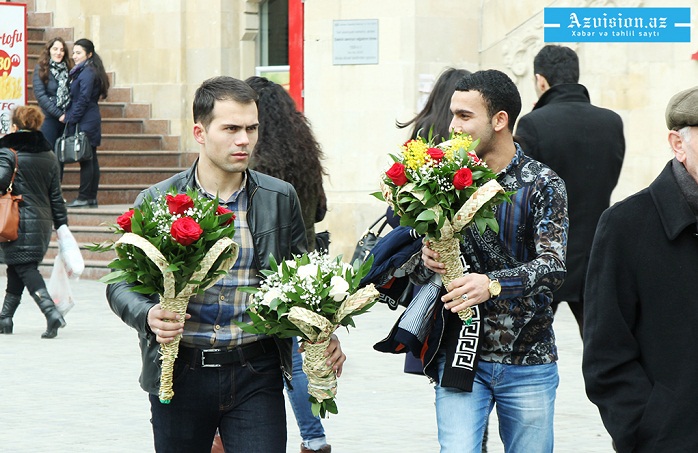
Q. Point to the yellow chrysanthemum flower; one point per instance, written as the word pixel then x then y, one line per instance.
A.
pixel 415 154
pixel 457 142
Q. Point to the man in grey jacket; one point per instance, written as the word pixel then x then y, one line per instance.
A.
pixel 241 392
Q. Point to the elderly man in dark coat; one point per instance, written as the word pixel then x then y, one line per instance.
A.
pixel 584 145
pixel 640 356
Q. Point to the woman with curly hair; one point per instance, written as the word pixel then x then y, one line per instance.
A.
pixel 287 149
pixel 51 87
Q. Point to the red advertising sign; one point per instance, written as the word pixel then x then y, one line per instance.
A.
pixel 13 60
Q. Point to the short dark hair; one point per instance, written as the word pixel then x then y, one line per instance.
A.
pixel 558 64
pixel 220 88
pixel 498 91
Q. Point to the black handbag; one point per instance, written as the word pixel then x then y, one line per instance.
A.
pixel 369 239
pixel 322 241
pixel 73 148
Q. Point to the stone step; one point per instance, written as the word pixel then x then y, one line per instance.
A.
pixel 95 234
pixel 134 126
pixel 87 255
pixel 35 19
pixel 118 109
pixel 94 270
pixel 147 158
pixel 108 193
pixel 110 109
pixel 83 220
pixel 136 142
pixel 31 4
pixel 123 125
pixel 116 94
pixel 121 175
pixel 44 34
pixel 35 47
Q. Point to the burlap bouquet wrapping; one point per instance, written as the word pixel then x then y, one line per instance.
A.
pixel 178 302
pixel 448 245
pixel 322 380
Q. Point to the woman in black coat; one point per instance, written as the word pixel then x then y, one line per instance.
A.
pixel 42 207
pixel 51 87
pixel 88 84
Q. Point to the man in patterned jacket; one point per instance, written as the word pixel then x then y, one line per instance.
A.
pixel 507 357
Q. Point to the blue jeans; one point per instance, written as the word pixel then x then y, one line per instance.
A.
pixel 311 429
pixel 244 401
pixel 525 400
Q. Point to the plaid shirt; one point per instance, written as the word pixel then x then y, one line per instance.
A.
pixel 213 313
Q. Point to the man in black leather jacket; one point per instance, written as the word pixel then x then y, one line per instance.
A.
pixel 242 394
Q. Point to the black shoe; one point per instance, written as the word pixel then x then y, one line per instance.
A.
pixel 78 203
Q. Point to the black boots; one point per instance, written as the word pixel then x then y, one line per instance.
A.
pixel 8 311
pixel 54 320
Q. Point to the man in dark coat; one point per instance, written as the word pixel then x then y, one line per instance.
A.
pixel 640 358
pixel 584 145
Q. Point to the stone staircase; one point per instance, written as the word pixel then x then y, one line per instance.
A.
pixel 136 151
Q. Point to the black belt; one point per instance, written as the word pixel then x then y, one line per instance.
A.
pixel 207 358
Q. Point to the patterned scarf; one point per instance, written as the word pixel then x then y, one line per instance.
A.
pixel 59 71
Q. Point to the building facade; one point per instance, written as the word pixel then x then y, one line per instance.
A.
pixel 165 48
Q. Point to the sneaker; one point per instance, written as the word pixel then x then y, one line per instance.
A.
pixel 327 448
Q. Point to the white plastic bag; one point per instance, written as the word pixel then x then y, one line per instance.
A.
pixel 59 287
pixel 69 250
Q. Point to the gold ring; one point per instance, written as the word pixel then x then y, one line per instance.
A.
pixel 464 297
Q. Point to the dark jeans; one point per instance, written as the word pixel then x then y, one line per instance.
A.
pixel 244 401
pixel 21 275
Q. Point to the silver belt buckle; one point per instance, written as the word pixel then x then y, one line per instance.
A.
pixel 203 359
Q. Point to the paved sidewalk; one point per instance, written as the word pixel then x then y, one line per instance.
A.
pixel 80 392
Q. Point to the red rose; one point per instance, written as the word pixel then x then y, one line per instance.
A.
pixel 178 204
pixel 474 157
pixel 463 178
pixel 436 154
pixel 397 174
pixel 124 220
pixel 220 210
pixel 185 230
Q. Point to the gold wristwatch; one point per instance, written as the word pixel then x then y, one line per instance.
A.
pixel 494 288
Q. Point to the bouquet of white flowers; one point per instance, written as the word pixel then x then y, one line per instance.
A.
pixel 310 296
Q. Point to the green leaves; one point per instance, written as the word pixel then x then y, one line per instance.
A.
pixel 429 196
pixel 153 220
pixel 320 409
pixel 307 281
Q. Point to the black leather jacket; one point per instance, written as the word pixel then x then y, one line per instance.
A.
pixel 275 221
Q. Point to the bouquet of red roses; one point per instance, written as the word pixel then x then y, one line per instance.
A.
pixel 175 245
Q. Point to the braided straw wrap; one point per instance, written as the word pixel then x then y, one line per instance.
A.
pixel 307 321
pixel 356 301
pixel 178 302
pixel 448 247
pixel 322 380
